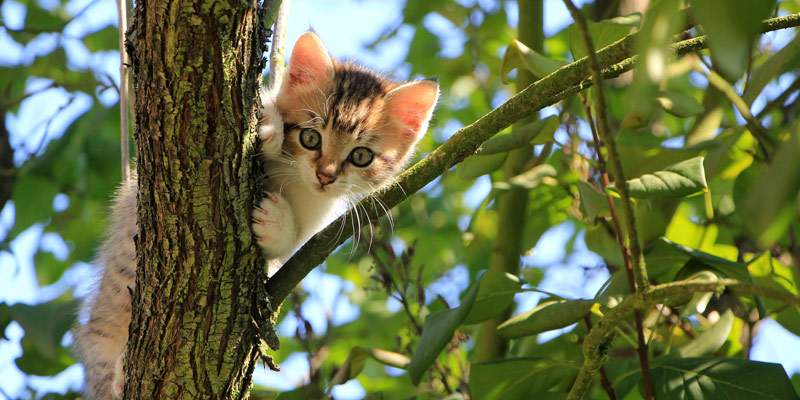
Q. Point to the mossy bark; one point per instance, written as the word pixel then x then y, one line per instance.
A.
pixel 195 330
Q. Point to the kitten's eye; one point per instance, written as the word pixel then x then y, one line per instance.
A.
pixel 361 156
pixel 310 139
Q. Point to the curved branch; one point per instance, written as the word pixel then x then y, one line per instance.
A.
pixel 614 59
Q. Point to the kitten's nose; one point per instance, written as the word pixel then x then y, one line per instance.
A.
pixel 325 179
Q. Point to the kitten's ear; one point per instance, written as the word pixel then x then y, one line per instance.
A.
pixel 410 107
pixel 310 64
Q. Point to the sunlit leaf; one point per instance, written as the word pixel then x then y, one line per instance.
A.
pixel 708 342
pixel 539 132
pixel 520 378
pixel 679 180
pixel 545 317
pixel 679 104
pixel 771 199
pixel 496 292
pixel 520 56
pixel 478 165
pixel 731 26
pixel 603 33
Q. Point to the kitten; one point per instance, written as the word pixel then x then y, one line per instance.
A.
pixel 333 132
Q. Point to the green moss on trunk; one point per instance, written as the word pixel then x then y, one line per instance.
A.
pixel 196 68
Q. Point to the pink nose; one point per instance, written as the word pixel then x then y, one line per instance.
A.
pixel 325 179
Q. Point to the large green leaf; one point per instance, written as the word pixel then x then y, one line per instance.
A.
pixel 477 165
pixel 731 26
pixel 104 39
pixel 490 296
pixel 679 180
pixel 519 56
pixel 357 358
pixel 785 59
pixel 603 33
pixel 439 328
pixel 33 200
pixel 538 132
pixel 708 342
pixel 496 292
pixel 679 104
pixel 662 21
pixel 45 325
pixel 520 378
pixel 726 378
pixel 772 198
pixel 545 317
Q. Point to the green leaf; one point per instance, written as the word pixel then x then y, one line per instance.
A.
pixel 357 358
pixel 594 202
pixel 538 132
pixel 785 59
pixel 603 33
pixel 663 20
pixel 678 180
pixel 478 165
pixel 711 340
pixel 771 202
pixel 5 319
pixel 545 317
pixel 731 26
pixel 33 201
pixel 436 333
pixel 520 56
pixel 679 104
pixel 45 324
pixel 496 292
pixel 602 242
pixel 104 39
pixel 520 378
pixel 729 378
pixel 528 179
pixel 34 362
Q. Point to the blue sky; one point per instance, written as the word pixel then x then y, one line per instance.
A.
pixel 345 27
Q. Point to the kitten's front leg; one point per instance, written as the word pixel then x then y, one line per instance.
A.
pixel 274 226
pixel 270 125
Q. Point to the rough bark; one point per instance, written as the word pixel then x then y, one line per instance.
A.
pixel 197 329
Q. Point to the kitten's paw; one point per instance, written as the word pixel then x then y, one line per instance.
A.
pixel 270 126
pixel 274 226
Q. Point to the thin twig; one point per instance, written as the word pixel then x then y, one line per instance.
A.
pixel 755 127
pixel 122 9
pixel 634 260
pixel 277 55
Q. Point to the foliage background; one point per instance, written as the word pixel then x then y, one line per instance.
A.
pixel 58 76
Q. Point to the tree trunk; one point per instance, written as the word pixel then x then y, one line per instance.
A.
pixel 197 330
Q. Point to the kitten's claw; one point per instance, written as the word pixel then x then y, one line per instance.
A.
pixel 274 226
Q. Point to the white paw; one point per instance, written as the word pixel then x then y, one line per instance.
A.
pixel 270 126
pixel 119 378
pixel 274 226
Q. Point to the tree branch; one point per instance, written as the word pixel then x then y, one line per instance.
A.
pixel 597 342
pixel 632 253
pixel 614 59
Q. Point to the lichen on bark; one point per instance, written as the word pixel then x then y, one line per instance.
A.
pixel 198 325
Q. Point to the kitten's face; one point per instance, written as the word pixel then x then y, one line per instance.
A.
pixel 348 129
